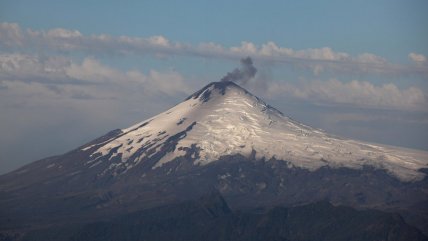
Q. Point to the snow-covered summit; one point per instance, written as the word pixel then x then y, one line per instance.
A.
pixel 225 119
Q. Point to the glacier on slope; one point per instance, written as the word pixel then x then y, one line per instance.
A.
pixel 225 119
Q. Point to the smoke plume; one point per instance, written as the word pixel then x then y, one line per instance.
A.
pixel 242 75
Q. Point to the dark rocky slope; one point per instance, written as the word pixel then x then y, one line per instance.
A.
pixel 209 218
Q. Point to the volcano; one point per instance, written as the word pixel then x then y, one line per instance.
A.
pixel 220 138
pixel 224 119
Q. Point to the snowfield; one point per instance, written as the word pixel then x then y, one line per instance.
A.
pixel 225 119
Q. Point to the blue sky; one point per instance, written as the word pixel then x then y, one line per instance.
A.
pixel 73 70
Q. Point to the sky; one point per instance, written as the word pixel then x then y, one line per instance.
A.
pixel 71 71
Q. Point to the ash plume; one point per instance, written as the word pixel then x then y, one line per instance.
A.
pixel 243 74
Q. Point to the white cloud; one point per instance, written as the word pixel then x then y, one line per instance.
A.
pixel 33 68
pixel 317 59
pixel 61 74
pixel 63 33
pixel 357 93
pixel 417 58
pixel 170 82
pixel 11 34
pixel 90 78
pixel 92 70
pixel 271 49
pixel 321 54
pixel 159 41
pixel 246 48
pixel 371 58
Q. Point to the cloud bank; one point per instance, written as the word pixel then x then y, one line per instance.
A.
pixel 418 58
pixel 12 36
pixel 354 93
pixel 57 76
pixel 86 79
pixel 89 78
